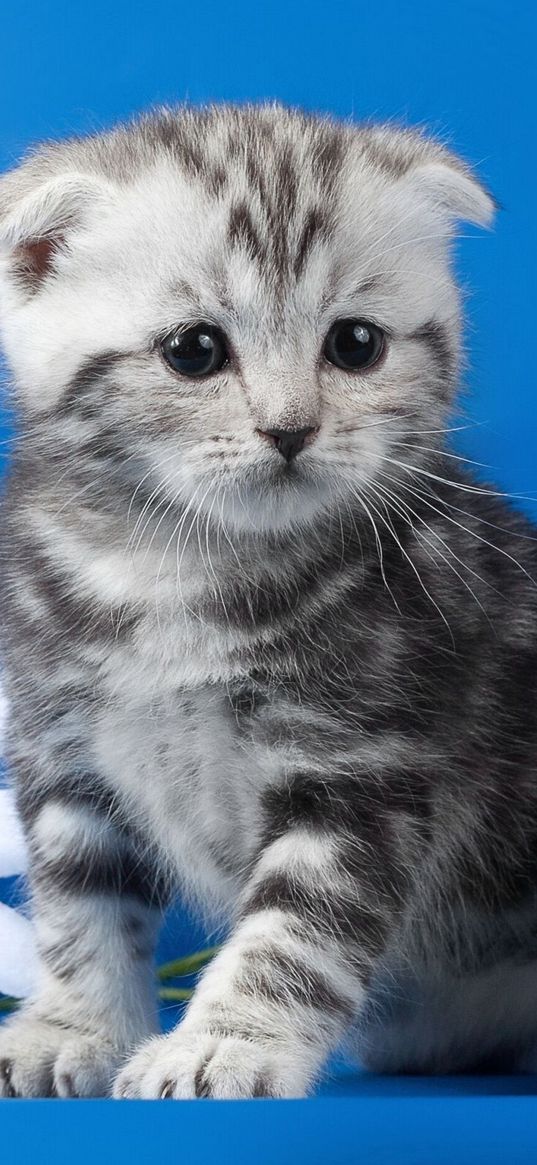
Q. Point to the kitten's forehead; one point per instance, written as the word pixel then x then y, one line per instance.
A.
pixel 274 186
pixel 267 188
pixel 249 213
pixel 266 221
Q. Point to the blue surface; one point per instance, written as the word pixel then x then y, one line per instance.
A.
pixel 465 69
pixel 397 1128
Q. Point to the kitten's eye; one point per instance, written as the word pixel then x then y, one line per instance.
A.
pixel 196 351
pixel 353 344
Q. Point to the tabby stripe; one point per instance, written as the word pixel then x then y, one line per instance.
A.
pixel 280 978
pixel 79 392
pixel 436 337
pixel 333 914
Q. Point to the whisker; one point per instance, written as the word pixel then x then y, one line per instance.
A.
pixel 161 484
pixel 418 576
pixel 359 497
pixel 222 527
pixel 423 495
pixel 422 239
pixel 473 489
pixel 175 532
pixel 140 484
pixel 442 453
pixel 449 549
pixel 449 429
pixel 179 560
pixel 483 521
pixel 172 504
pixel 211 568
pixel 374 424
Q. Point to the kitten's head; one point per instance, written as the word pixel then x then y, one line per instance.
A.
pixel 250 307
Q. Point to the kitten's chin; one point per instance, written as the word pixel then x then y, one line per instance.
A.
pixel 272 507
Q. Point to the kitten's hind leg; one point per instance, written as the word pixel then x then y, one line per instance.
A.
pixel 96 926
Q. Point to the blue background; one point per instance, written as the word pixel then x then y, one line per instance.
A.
pixel 465 70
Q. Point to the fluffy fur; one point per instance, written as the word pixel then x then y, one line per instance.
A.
pixel 302 694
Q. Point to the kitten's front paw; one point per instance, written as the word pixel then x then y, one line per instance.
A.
pixel 40 1059
pixel 185 1066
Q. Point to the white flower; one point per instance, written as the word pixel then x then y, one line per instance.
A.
pixel 12 843
pixel 19 964
pixel 18 955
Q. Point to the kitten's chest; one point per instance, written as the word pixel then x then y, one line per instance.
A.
pixel 168 738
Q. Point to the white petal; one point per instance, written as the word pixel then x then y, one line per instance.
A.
pixel 3 716
pixel 13 859
pixel 19 963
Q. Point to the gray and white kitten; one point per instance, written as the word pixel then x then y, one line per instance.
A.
pixel 264 643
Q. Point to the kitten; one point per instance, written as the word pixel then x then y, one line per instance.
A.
pixel 264 642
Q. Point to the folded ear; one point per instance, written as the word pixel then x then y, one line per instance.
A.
pixel 35 224
pixel 453 190
pixel 431 174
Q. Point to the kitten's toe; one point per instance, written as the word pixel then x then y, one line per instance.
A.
pixel 40 1059
pixel 163 1069
pixel 207 1066
pixel 86 1067
pixel 28 1050
pixel 240 1069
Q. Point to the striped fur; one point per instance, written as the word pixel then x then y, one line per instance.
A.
pixel 301 694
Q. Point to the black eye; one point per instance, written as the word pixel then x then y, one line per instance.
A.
pixel 353 344
pixel 196 351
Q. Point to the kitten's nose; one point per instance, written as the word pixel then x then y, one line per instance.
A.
pixel 289 442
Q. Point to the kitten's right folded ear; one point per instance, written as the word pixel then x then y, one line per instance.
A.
pixel 454 191
pixel 36 223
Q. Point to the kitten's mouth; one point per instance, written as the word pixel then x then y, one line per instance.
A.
pixel 281 471
pixel 285 480
pixel 289 482
pixel 288 469
pixel 272 496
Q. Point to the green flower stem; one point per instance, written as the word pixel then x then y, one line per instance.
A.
pixel 7 1003
pixel 174 970
pixel 175 994
pixel 187 966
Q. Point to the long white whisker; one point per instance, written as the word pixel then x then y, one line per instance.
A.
pixel 147 509
pixel 466 529
pixel 172 503
pixel 179 560
pixel 449 429
pixel 441 453
pixel 447 481
pixel 420 239
pixel 430 492
pixel 359 497
pixel 437 536
pixel 358 428
pixel 141 482
pixel 211 568
pixel 418 576
pixel 223 528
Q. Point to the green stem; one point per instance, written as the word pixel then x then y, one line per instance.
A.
pixel 7 1003
pixel 186 966
pixel 176 969
pixel 175 994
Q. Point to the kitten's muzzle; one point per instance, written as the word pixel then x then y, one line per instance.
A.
pixel 289 442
